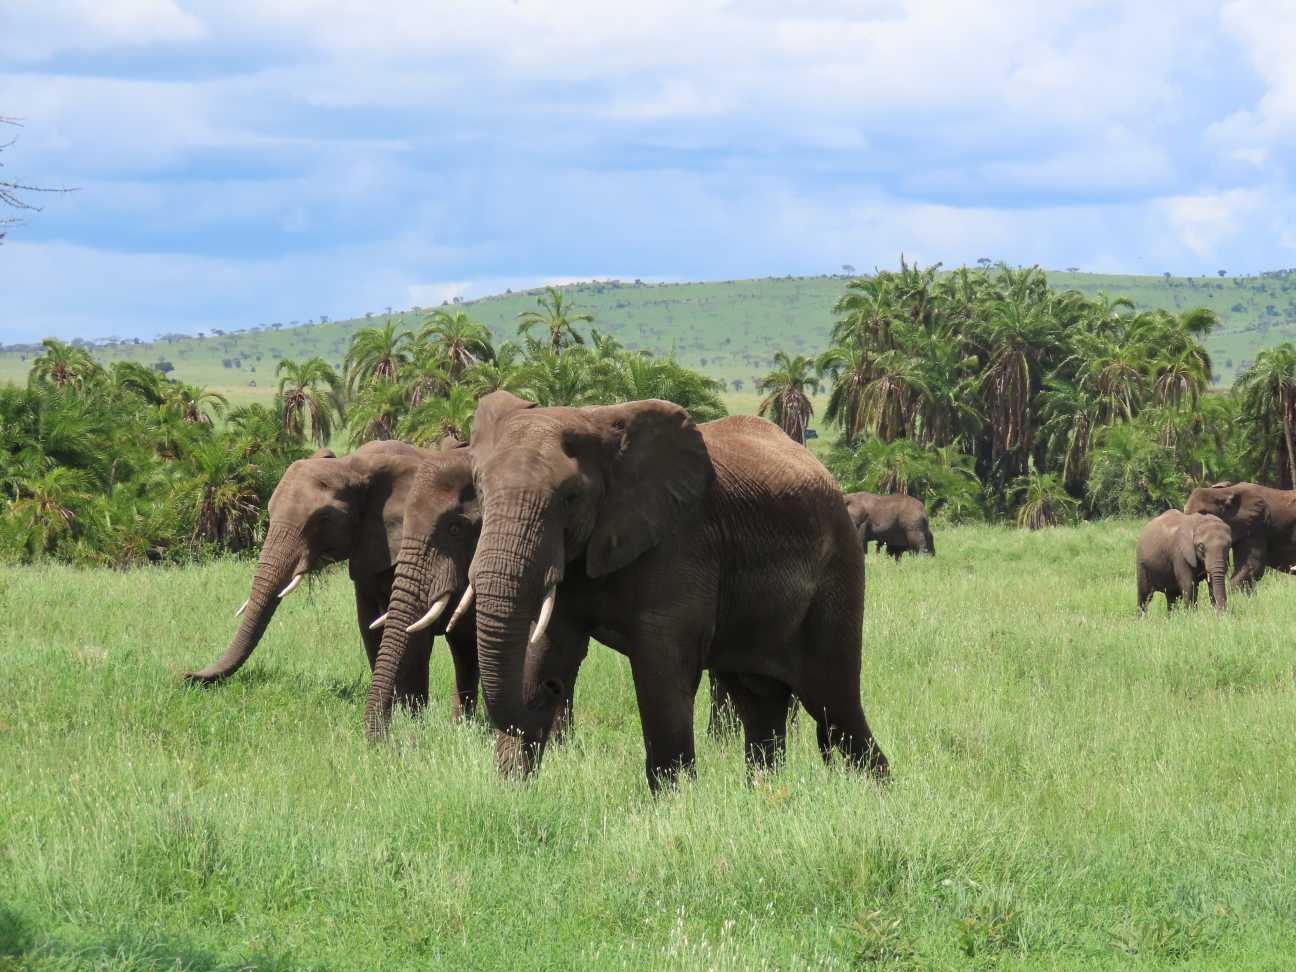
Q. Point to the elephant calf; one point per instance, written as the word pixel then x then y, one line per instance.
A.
pixel 1176 551
pixel 898 522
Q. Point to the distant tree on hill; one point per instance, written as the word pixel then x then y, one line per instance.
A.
pixel 555 318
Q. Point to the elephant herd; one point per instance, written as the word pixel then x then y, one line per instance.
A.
pixel 1179 549
pixel 723 546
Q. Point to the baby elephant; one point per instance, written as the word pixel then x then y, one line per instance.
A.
pixel 1176 551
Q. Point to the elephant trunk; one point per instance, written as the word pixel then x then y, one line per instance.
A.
pixel 516 568
pixel 420 575
pixel 281 556
pixel 1216 568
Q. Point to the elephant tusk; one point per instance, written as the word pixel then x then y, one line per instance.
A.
pixel 465 603
pixel 546 612
pixel 433 613
pixel 292 585
pixel 242 608
pixel 379 621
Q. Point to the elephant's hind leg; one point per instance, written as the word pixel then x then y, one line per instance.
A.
pixel 1144 589
pixel 762 705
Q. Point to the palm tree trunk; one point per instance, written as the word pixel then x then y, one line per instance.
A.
pixel 1287 440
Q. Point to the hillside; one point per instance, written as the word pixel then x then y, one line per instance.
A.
pixel 728 329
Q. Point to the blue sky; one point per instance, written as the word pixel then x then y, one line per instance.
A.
pixel 248 161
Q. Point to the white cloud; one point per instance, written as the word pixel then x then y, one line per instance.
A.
pixel 1206 222
pixel 35 29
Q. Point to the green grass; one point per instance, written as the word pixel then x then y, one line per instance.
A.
pixel 728 329
pixel 1073 788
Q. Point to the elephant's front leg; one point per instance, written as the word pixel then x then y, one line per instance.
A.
pixel 1186 579
pixel 367 611
pixel 467 673
pixel 665 691
pixel 412 676
pixel 1249 564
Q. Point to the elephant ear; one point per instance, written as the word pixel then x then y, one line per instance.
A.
pixel 383 482
pixel 1186 542
pixel 492 409
pixel 658 471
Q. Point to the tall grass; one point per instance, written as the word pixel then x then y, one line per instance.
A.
pixel 1072 788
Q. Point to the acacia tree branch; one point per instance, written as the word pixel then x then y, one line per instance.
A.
pixel 10 191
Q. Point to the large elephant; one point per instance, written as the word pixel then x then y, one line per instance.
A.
pixel 1262 522
pixel 899 522
pixel 438 539
pixel 328 509
pixel 1178 550
pixel 725 547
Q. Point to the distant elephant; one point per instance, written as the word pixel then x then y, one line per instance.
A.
pixel 1178 550
pixel 899 522
pixel 326 510
pixel 724 546
pixel 1262 522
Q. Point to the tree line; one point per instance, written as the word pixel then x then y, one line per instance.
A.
pixel 991 395
pixel 121 465
pixel 984 392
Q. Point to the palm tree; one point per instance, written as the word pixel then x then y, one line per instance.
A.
pixel 555 318
pixel 309 393
pixel 849 369
pixel 1268 388
pixel 377 354
pixel 505 372
pixel 787 390
pixel 46 510
pixel 193 402
pixel 62 365
pixel 147 383
pixel 561 378
pixel 1043 500
pixel 376 411
pixel 223 486
pixel 438 418
pixel 460 340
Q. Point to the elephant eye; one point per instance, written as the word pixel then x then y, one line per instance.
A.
pixel 455 529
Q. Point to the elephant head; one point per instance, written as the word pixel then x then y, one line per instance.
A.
pixel 324 510
pixel 1243 509
pixel 439 536
pixel 1204 544
pixel 588 489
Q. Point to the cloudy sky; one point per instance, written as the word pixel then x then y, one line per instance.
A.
pixel 247 161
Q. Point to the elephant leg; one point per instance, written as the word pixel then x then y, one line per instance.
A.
pixel 1172 598
pixel 467 674
pixel 724 713
pixel 1144 590
pixel 1248 564
pixel 412 676
pixel 1187 582
pixel 896 552
pixel 830 690
pixel 665 695
pixel 762 705
pixel 568 649
pixel 366 611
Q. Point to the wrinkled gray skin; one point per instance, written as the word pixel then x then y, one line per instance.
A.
pixel 1178 550
pixel 1262 522
pixel 438 538
pixel 724 547
pixel 324 510
pixel 898 522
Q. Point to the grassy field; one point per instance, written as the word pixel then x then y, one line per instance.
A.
pixel 1073 788
pixel 728 329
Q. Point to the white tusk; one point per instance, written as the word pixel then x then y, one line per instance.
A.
pixel 379 621
pixel 292 585
pixel 546 612
pixel 465 603
pixel 242 608
pixel 434 612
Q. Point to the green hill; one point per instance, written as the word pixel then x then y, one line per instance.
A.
pixel 728 329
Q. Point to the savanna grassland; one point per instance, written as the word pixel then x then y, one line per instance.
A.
pixel 1072 788
pixel 727 329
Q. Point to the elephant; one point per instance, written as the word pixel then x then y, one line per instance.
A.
pixel 438 539
pixel 724 546
pixel 1175 552
pixel 1262 522
pixel 327 509
pixel 899 522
